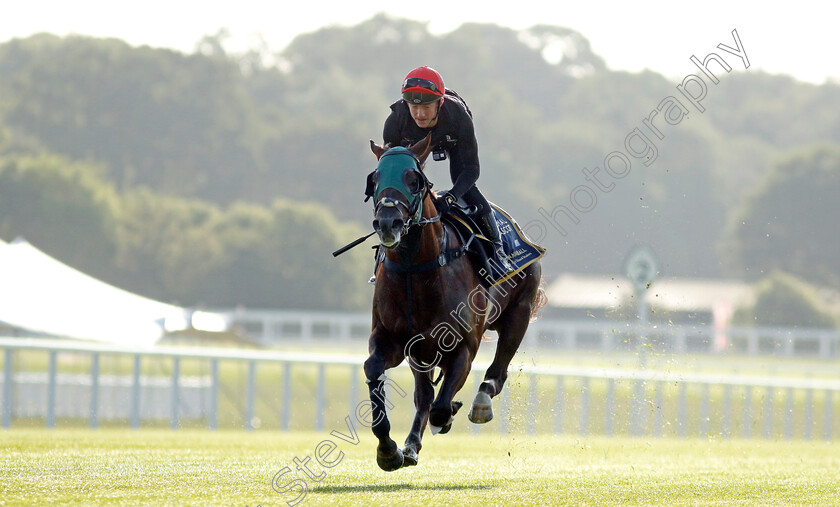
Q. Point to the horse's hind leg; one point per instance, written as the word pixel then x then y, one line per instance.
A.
pixel 511 331
pixel 511 326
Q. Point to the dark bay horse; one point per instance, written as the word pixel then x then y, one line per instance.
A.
pixel 430 307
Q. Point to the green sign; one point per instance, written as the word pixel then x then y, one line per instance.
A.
pixel 641 267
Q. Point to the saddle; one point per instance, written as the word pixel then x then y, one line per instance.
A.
pixel 520 250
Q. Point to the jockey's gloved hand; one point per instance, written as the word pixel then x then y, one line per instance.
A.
pixel 444 201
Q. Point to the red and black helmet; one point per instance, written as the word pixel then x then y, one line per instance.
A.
pixel 423 85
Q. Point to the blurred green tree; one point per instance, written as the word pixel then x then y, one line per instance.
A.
pixel 787 221
pixel 782 299
pixel 63 208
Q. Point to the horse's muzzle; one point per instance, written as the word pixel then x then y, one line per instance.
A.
pixel 389 230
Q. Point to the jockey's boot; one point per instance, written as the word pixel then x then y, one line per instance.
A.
pixel 491 229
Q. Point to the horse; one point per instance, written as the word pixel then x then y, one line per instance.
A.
pixel 430 307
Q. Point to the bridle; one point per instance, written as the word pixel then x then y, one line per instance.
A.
pixel 414 207
pixel 414 215
pixel 414 204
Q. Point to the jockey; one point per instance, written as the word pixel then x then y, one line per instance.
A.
pixel 426 105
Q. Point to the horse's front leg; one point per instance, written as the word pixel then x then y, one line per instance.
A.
pixel 388 455
pixel 423 395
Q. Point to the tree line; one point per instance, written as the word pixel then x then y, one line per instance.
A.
pixel 233 144
pixel 183 250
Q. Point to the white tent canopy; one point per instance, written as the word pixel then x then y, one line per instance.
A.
pixel 39 294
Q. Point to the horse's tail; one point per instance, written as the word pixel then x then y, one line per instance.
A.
pixel 540 300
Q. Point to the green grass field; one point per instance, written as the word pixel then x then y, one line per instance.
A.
pixel 235 468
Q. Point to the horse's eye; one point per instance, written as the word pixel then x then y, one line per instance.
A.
pixel 412 181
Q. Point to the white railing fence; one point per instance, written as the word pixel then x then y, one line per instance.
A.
pixel 53 382
pixel 284 327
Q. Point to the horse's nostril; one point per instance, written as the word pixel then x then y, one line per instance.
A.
pixel 376 225
pixel 398 224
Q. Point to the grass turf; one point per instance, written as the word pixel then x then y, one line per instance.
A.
pixel 199 467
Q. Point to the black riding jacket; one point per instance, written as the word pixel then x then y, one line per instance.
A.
pixel 453 132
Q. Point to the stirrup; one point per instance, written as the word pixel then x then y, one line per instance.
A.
pixel 504 260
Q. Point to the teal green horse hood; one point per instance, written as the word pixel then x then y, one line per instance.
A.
pixel 396 169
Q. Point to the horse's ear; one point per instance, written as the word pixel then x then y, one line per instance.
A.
pixel 422 148
pixel 376 149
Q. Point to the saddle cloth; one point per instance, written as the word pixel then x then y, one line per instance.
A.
pixel 520 250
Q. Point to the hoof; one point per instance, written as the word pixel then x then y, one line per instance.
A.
pixel 482 409
pixel 456 406
pixel 441 416
pixel 441 429
pixel 390 463
pixel 409 457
